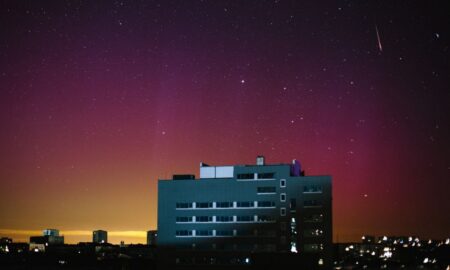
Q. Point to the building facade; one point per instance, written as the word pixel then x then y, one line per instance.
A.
pixel 100 237
pixel 151 237
pixel 255 208
pixel 50 237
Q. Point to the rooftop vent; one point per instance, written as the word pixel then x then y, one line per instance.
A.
pixel 296 168
pixel 260 160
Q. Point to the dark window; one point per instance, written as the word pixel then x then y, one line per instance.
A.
pixel 266 190
pixel 283 197
pixel 245 218
pixel 224 218
pixel 183 233
pixel 312 189
pixel 244 204
pixel 203 218
pixel 266 175
pixel 267 233
pixel 224 233
pixel 283 226
pixel 245 233
pixel 245 176
pixel 204 232
pixel 263 218
pixel 312 203
pixel 283 183
pixel 313 218
pixel 184 219
pixel 224 204
pixel 292 204
pixel 266 204
pixel 183 205
pixel 203 205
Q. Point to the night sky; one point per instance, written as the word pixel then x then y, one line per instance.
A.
pixel 100 99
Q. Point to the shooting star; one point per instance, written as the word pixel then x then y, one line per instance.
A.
pixel 380 47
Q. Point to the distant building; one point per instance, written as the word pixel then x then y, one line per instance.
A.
pixel 151 237
pixel 100 237
pixel 5 240
pixel 50 232
pixel 5 244
pixel 49 237
pixel 247 208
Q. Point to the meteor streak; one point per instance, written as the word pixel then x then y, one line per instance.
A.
pixel 380 47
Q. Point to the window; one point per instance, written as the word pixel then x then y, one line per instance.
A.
pixel 292 204
pixel 312 203
pixel 282 183
pixel 266 175
pixel 183 233
pixel 282 197
pixel 267 233
pixel 184 219
pixel 244 218
pixel 313 218
pixel 266 204
pixel 203 205
pixel 264 218
pixel 244 204
pixel 283 226
pixel 224 205
pixel 312 189
pixel 266 190
pixel 204 233
pixel 282 211
pixel 183 205
pixel 246 176
pixel 224 219
pixel 203 218
pixel 245 233
pixel 224 233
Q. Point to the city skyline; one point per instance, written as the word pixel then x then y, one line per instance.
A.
pixel 100 100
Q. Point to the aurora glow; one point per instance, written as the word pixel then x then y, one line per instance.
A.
pixel 99 100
